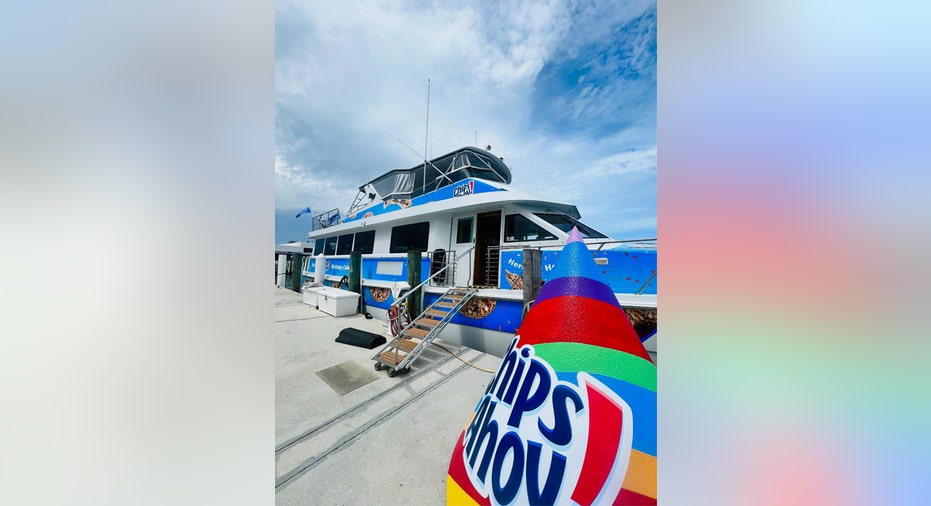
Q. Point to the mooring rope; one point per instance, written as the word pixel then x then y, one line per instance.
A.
pixel 466 362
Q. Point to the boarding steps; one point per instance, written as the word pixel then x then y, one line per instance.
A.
pixel 399 353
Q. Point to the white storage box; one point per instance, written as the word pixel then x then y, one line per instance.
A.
pixel 310 295
pixel 337 302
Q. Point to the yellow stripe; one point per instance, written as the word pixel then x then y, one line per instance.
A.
pixel 641 474
pixel 455 494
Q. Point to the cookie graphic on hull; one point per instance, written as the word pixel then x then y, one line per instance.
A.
pixel 478 308
pixel 515 280
pixel 379 294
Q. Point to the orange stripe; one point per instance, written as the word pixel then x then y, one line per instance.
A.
pixel 641 474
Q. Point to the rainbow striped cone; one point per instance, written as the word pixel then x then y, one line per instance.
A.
pixel 570 415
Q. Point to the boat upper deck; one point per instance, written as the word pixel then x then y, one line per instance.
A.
pixel 405 187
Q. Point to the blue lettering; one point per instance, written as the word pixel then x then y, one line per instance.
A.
pixel 487 429
pixel 524 386
pixel 515 379
pixel 527 402
pixel 461 190
pixel 553 478
pixel 505 493
pixel 483 410
pixel 504 372
pixel 561 432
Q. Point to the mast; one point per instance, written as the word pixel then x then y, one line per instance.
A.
pixel 425 136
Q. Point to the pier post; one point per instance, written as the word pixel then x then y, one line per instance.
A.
pixel 413 279
pixel 320 269
pixel 296 272
pixel 532 282
pixel 355 272
pixel 282 270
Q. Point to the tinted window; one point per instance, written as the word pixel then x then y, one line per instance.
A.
pixel 407 237
pixel 365 242
pixel 330 247
pixel 565 223
pixel 318 246
pixel 519 228
pixel 464 230
pixel 344 245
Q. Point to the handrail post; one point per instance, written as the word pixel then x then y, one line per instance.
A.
pixel 413 277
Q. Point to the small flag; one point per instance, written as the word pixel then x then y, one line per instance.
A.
pixel 334 219
pixel 303 211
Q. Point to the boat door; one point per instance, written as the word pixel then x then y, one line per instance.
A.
pixel 487 249
pixel 463 238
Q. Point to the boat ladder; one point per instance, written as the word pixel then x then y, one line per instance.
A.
pixel 399 353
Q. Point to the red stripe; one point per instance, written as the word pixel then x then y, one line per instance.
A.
pixel 458 473
pixel 630 498
pixel 604 437
pixel 575 319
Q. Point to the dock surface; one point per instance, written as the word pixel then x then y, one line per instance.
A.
pixel 348 434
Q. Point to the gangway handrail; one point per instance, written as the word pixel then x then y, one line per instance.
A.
pixel 435 274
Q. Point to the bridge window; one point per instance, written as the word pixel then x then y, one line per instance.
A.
pixel 365 242
pixel 565 223
pixel 518 228
pixel 408 237
pixel 329 248
pixel 464 231
pixel 344 245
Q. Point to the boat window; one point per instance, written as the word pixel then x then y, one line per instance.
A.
pixel 329 248
pixel 520 228
pixel 565 223
pixel 318 246
pixel 464 231
pixel 344 245
pixel 408 237
pixel 365 242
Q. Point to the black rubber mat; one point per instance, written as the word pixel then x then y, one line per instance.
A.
pixel 360 338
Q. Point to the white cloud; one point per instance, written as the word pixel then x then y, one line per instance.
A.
pixel 630 164
pixel 351 82
pixel 296 187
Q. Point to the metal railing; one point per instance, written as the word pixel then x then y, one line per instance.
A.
pixel 646 243
pixel 645 285
pixel 456 259
pixel 601 244
pixel 492 265
pixel 325 219
pixel 493 260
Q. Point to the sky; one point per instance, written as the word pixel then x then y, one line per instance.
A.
pixel 565 91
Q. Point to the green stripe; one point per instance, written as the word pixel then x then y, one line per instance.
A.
pixel 572 357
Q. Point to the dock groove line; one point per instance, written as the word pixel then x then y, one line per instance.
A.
pixel 309 464
pixel 364 404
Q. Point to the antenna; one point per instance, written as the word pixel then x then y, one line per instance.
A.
pixel 476 138
pixel 425 136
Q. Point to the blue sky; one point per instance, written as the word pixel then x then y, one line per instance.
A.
pixel 564 91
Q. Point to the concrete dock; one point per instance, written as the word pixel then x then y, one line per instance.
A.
pixel 347 434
